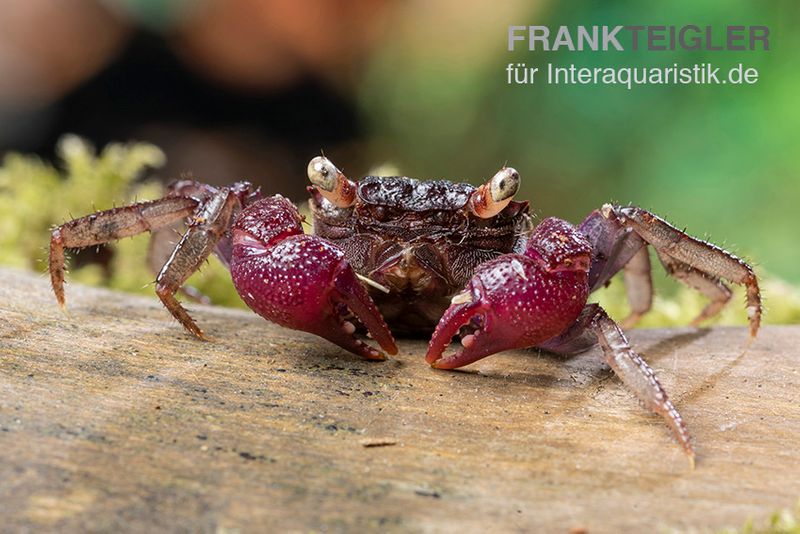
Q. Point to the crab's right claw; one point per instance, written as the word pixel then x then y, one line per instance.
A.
pixel 306 284
pixel 302 281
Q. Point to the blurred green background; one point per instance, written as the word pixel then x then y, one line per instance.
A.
pixel 723 161
pixel 253 88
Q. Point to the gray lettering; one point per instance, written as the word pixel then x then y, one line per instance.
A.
pixel 611 37
pixel 533 37
pixel 709 44
pixel 513 37
pixel 634 35
pixel 563 38
pixel 585 37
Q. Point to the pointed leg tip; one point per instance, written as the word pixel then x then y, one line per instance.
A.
pixel 692 461
pixel 199 334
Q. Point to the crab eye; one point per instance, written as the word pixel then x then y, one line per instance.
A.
pixel 504 184
pixel 492 197
pixel 322 173
pixel 331 183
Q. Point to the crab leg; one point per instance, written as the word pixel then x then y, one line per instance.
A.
pixel 613 246
pixel 718 293
pixel 638 376
pixel 638 286
pixel 199 241
pixel 110 225
pixel 162 243
pixel 705 257
pixel 577 338
pixel 593 326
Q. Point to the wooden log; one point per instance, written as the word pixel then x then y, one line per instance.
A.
pixel 115 418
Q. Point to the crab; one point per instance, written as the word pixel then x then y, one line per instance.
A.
pixel 423 257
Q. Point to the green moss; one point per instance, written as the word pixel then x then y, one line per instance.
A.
pixel 35 196
pixel 782 522
pixel 677 306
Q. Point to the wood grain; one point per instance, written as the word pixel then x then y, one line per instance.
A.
pixel 115 418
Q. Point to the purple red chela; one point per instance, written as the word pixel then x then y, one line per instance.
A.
pixel 518 300
pixel 301 281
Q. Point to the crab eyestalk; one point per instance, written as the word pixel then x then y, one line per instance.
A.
pixel 331 183
pixel 492 197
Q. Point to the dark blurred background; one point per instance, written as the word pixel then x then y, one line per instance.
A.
pixel 252 89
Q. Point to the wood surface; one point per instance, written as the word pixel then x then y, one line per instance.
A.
pixel 114 418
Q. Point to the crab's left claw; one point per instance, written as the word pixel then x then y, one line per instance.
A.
pixel 511 302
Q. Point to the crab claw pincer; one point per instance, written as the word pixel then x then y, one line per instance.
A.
pixel 468 309
pixel 516 300
pixel 301 281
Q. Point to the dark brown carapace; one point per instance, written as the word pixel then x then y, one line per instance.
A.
pixel 421 240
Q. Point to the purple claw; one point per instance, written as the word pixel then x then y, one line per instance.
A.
pixel 301 281
pixel 517 301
